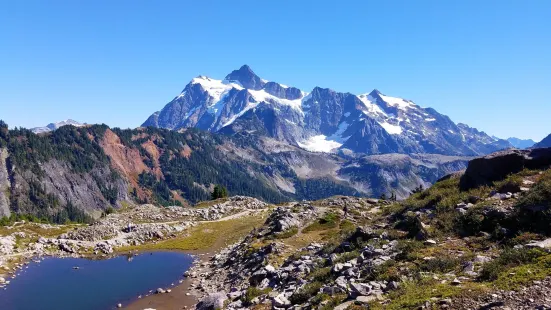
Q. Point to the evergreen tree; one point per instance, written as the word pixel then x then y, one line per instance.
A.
pixel 219 192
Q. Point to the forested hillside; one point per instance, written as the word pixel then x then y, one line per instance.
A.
pixel 76 173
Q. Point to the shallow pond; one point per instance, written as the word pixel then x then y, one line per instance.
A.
pixel 95 285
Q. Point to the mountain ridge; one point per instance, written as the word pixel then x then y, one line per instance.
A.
pixel 320 120
pixel 75 173
pixel 57 125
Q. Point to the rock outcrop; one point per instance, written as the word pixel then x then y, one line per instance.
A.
pixel 5 184
pixel 497 166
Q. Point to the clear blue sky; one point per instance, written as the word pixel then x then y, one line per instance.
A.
pixel 485 63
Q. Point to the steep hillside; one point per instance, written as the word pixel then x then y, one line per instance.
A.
pixel 322 120
pixel 546 142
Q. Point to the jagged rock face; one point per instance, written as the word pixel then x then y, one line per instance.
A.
pixel 80 189
pixel 323 120
pixel 5 184
pixel 497 166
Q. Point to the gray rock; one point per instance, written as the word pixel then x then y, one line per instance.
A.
pixel 281 301
pixel 361 289
pixel 344 305
pixel 212 301
pixel 368 299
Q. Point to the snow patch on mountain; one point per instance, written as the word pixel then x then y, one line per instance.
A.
pixel 263 96
pixel 250 105
pixel 370 107
pixel 390 128
pixel 397 102
pixel 319 143
pixel 215 88
pixel 338 135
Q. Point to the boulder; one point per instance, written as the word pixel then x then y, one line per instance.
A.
pixel 368 299
pixel 212 301
pixel 497 166
pixel 280 301
pixel 160 291
pixel 545 244
pixel 360 289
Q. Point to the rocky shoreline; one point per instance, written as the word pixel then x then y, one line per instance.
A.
pixel 103 239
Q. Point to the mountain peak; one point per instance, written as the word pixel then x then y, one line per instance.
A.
pixel 246 77
pixel 375 93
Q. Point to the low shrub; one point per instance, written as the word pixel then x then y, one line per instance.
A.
pixel 305 293
pixel 440 264
pixel 321 274
pixel 253 292
pixel 508 258
pixel 408 249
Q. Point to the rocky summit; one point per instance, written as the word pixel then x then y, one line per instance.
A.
pixel 321 120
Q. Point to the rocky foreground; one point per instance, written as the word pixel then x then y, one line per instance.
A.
pixel 445 248
pixel 456 245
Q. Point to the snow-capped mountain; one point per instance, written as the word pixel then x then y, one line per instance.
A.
pixel 54 126
pixel 321 120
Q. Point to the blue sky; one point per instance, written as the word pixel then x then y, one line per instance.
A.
pixel 485 63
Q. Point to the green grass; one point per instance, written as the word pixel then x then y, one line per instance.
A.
pixel 209 203
pixel 413 294
pixel 511 184
pixel 287 234
pixel 206 235
pixel 444 195
pixel 329 221
pixel 516 277
pixel 509 258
